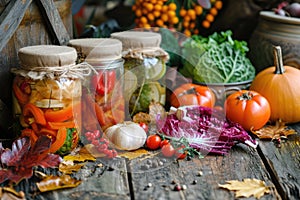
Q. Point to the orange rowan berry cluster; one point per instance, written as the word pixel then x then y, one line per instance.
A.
pixel 197 16
pixel 212 13
pixel 186 16
pixel 155 13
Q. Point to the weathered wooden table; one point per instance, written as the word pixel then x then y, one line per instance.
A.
pixel 130 179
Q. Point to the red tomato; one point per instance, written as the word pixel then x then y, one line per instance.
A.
pixel 219 108
pixel 104 82
pixel 248 108
pixel 180 153
pixel 163 143
pixel 144 126
pixel 192 94
pixel 153 142
pixel 168 150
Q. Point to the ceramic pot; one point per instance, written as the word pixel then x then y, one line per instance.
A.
pixel 275 30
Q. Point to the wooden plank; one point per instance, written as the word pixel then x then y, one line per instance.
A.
pixel 54 22
pixel 103 179
pixel 241 163
pixel 10 19
pixel 4 2
pixel 284 164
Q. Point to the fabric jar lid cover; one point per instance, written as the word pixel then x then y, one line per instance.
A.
pixel 138 39
pixel 98 49
pixel 46 56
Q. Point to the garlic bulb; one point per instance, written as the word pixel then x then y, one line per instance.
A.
pixel 126 136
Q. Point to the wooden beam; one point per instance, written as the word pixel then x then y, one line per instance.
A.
pixel 4 2
pixel 54 23
pixel 11 18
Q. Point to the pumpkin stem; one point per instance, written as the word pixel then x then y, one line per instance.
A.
pixel 278 60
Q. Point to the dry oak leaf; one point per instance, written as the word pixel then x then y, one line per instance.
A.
pixel 57 182
pixel 84 154
pixel 272 132
pixel 247 187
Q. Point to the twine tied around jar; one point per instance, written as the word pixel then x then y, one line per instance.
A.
pixel 80 70
pixel 141 53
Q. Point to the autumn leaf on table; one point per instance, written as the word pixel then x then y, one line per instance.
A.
pixel 9 193
pixel 50 183
pixel 18 162
pixel 134 154
pixel 273 132
pixel 247 187
pixel 69 167
pixel 84 154
pixel 73 162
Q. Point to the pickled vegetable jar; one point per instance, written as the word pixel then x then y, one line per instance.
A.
pixel 103 98
pixel 47 95
pixel 145 68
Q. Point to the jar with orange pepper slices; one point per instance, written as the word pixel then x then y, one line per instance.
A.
pixel 47 95
pixel 145 69
pixel 103 98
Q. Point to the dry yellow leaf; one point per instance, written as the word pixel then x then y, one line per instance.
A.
pixel 57 182
pixel 93 151
pixel 134 154
pixel 84 154
pixel 69 167
pixel 247 187
pixel 10 193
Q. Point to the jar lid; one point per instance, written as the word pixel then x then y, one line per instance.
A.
pixel 98 49
pixel 138 39
pixel 46 56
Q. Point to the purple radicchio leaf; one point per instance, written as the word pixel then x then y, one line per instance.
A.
pixel 206 129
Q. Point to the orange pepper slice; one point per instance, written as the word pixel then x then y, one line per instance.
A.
pixel 22 97
pixel 35 127
pixel 99 114
pixel 90 121
pixel 48 132
pixel 27 132
pixel 60 115
pixel 60 140
pixel 58 125
pixel 31 110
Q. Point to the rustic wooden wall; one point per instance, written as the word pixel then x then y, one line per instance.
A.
pixel 31 31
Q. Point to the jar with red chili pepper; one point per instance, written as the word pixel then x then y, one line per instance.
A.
pixel 103 98
pixel 145 68
pixel 47 93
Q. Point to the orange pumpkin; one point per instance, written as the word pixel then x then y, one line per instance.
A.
pixel 279 84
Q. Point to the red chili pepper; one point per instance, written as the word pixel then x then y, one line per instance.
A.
pixel 104 82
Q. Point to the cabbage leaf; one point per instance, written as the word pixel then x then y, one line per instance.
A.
pixel 216 59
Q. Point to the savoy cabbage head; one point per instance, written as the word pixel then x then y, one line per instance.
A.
pixel 216 59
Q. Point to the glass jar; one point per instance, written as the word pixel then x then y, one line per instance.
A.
pixel 47 95
pixel 103 98
pixel 145 68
